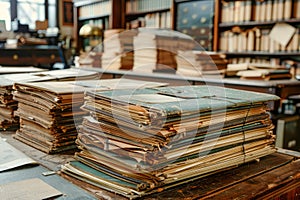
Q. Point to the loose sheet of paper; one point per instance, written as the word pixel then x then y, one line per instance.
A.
pixel 30 189
pixel 282 33
pixel 10 157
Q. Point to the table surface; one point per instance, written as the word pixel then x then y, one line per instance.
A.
pixel 205 78
pixel 273 170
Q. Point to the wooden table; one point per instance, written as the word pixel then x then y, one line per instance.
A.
pixel 276 175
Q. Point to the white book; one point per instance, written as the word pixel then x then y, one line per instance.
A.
pixel 263 11
pixel 269 10
pixel 248 6
pixel 275 10
pixel 280 10
pixel 250 41
pixel 288 9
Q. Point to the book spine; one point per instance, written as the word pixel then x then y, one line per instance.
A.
pixel 288 9
pixel 269 10
pixel 248 6
pixel 275 10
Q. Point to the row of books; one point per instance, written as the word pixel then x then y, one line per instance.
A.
pixel 267 10
pixel 135 6
pixel 256 39
pixel 152 20
pixel 158 20
pixel 268 61
pixel 102 8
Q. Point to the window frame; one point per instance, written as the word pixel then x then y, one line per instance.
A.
pixel 14 12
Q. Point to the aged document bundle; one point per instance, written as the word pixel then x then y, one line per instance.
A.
pixel 8 105
pixel 50 111
pixel 136 142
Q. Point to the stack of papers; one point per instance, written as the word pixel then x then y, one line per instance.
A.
pixel 197 63
pixel 50 111
pixel 155 50
pixel 8 105
pixel 258 71
pixel 118 51
pixel 142 141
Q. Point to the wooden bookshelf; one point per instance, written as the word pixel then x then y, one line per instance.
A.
pixel 145 13
pixel 242 28
pixel 256 23
pixel 106 14
pixel 261 53
pixel 158 14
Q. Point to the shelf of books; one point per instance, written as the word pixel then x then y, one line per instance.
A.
pixel 95 10
pixel 147 13
pixel 105 14
pixel 259 28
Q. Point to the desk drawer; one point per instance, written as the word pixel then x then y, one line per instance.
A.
pixel 46 57
pixel 13 57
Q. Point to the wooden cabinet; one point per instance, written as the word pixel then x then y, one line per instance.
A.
pixel 196 18
pixel 42 55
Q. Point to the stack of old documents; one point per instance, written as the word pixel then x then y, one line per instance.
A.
pixel 8 105
pixel 155 50
pixel 137 142
pixel 49 111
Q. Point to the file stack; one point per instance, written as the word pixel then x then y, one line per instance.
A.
pixel 118 49
pixel 50 111
pixel 8 105
pixel 137 142
pixel 155 50
pixel 198 63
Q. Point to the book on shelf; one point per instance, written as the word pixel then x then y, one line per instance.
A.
pixel 236 11
pixel 101 8
pixel 260 11
pixel 281 37
pixel 136 6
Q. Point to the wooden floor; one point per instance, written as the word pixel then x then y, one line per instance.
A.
pixel 277 175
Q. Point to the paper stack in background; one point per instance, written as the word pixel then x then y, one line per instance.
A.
pixel 258 71
pixel 155 50
pixel 197 63
pixel 50 111
pixel 8 105
pixel 137 142
pixel 118 49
